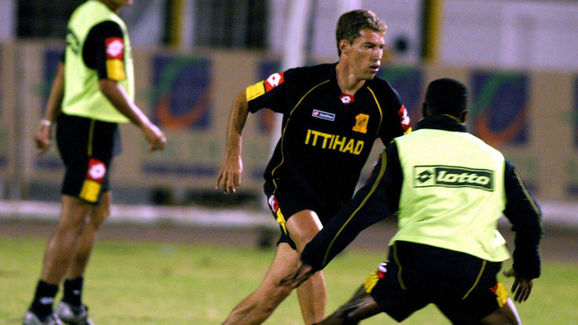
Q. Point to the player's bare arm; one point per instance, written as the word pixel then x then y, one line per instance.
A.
pixel 53 107
pixel 232 168
pixel 120 100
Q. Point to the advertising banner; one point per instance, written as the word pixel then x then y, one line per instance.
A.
pixel 4 144
pixel 49 162
pixel 572 164
pixel 409 83
pixel 499 115
pixel 181 100
pixel 499 111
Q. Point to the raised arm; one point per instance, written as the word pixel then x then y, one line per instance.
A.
pixel 232 168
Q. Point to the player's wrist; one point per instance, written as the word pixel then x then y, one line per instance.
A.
pixel 45 122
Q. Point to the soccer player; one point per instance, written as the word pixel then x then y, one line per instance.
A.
pixel 93 91
pixel 449 189
pixel 332 114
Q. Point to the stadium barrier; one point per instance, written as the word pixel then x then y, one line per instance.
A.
pixel 531 116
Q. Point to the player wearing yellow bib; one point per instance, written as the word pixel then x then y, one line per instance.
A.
pixel 449 189
pixel 92 92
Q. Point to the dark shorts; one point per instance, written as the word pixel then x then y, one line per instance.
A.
pixel 463 287
pixel 287 202
pixel 86 147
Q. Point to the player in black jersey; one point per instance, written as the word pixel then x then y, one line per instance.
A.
pixel 332 114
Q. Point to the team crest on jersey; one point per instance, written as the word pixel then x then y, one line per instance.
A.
pixel 274 81
pixel 323 115
pixel 361 121
pixel 346 99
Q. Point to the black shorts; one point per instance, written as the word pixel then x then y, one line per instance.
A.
pixel 86 147
pixel 462 286
pixel 287 201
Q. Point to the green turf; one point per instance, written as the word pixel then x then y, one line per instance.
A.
pixel 159 283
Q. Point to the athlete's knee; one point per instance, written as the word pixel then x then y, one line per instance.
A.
pixel 303 226
pixel 97 218
pixel 100 213
pixel 505 315
pixel 71 225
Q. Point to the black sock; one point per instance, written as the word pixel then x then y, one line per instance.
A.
pixel 43 299
pixel 73 291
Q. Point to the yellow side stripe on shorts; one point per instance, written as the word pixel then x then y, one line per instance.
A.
pixel 90 138
pixel 501 294
pixel 281 220
pixel 477 280
pixel 399 278
pixel 90 191
pixel 370 282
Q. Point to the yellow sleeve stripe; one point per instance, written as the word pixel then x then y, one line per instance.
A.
pixel 115 69
pixel 361 205
pixel 370 282
pixel 528 196
pixel 254 91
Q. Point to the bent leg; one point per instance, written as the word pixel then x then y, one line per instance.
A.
pixel 505 315
pixel 260 304
pixel 63 243
pixel 312 294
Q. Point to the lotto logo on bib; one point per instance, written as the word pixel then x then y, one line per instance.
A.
pixel 96 170
pixel 453 176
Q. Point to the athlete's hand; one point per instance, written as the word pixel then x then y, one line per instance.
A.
pixel 154 136
pixel 295 279
pixel 230 174
pixel 521 288
pixel 42 138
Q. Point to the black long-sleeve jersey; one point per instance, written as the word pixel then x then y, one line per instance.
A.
pixel 380 197
pixel 326 135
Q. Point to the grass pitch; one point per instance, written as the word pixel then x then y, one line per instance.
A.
pixel 160 283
